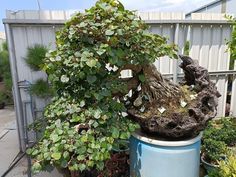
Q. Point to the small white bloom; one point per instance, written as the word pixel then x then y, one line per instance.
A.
pixel 64 78
pixel 161 110
pixel 108 67
pixel 115 68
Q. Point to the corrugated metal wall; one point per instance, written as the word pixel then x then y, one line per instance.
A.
pixel 207 40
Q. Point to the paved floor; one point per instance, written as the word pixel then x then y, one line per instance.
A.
pixel 9 147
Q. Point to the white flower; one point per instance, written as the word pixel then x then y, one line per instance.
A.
pixel 115 68
pixel 64 78
pixel 108 67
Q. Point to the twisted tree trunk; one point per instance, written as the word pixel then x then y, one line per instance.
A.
pixel 173 111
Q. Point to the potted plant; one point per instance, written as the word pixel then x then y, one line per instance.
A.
pixel 227 168
pixel 219 137
pixel 95 106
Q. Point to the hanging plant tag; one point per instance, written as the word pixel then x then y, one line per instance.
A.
pixel 161 110
pixel 183 103
pixel 193 97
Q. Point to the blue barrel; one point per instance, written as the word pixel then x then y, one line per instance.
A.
pixel 158 158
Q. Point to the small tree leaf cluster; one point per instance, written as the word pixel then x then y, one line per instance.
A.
pixel 35 56
pixel 35 60
pixel 87 117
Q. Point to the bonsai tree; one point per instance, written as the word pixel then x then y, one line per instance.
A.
pixel 88 115
pixel 95 106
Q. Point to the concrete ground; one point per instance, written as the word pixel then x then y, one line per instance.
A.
pixel 9 147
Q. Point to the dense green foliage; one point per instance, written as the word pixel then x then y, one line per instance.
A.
pixel 5 76
pixel 227 168
pixel 35 56
pixel 86 118
pixel 218 135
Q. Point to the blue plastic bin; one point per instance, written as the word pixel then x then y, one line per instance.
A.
pixel 158 158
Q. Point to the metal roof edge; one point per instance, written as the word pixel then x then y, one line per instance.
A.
pixel 202 7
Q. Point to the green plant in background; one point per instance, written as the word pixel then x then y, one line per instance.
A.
pixel 5 76
pixel 218 136
pixel 227 168
pixel 42 89
pixel 35 60
pixel 187 48
pixel 86 117
pixel 35 56
pixel 232 43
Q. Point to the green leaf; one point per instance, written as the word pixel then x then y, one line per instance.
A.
pixel 124 135
pixel 91 79
pixel 115 132
pixel 80 157
pixel 91 63
pixel 36 167
pixel 82 167
pixel 64 163
pixel 55 138
pixel 29 151
pixel 109 32
pixel 141 77
pixel 120 32
pixel 101 51
pixel 56 155
pixel 97 114
pixel 81 150
pixel 66 155
pixel 82 103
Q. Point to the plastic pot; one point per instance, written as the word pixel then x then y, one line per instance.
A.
pixel 208 166
pixel 160 158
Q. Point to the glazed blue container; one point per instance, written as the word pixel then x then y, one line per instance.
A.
pixel 158 158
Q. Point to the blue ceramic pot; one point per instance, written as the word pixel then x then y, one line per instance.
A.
pixel 159 158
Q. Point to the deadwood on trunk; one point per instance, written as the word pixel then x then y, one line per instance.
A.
pixel 170 110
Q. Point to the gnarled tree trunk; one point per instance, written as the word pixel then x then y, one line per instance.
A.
pixel 170 110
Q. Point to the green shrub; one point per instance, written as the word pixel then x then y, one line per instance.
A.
pixel 5 75
pixel 86 117
pixel 35 56
pixel 227 168
pixel 214 150
pixel 218 135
